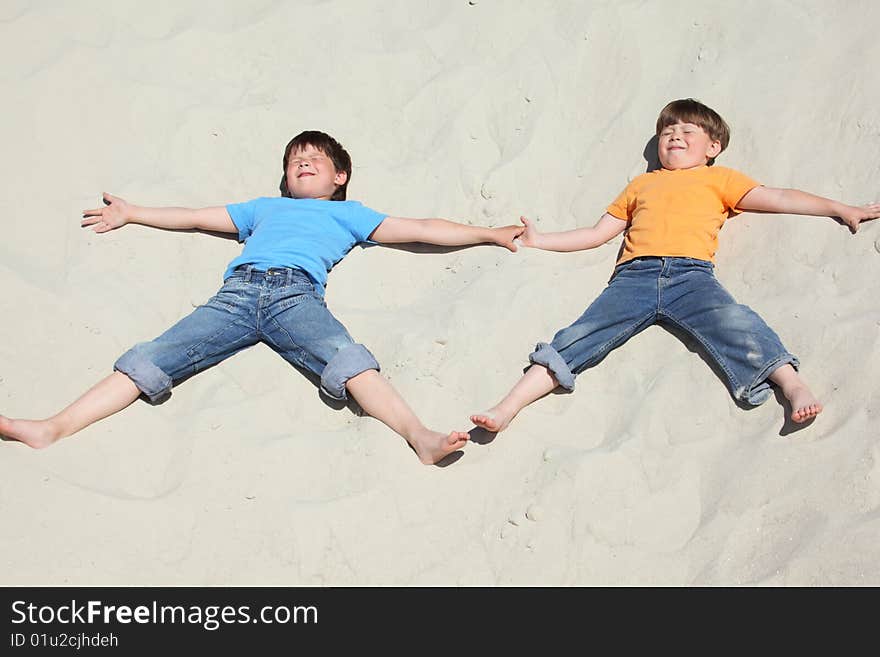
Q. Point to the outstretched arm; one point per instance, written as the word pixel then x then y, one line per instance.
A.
pixel 397 230
pixel 794 201
pixel 607 228
pixel 117 212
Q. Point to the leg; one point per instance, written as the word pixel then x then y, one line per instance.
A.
pixel 223 326
pixel 301 328
pixel 375 394
pixel 534 384
pixel 105 398
pixel 804 406
pixel 626 307
pixel 746 350
pixel 204 337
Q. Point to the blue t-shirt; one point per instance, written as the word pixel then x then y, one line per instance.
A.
pixel 309 234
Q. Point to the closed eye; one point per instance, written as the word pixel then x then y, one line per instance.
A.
pixel 307 158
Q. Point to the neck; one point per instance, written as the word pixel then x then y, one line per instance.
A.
pixel 696 166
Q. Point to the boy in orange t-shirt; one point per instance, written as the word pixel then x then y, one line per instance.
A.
pixel 671 218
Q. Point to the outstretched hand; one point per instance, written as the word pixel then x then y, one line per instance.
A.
pixel 854 215
pixel 506 235
pixel 529 235
pixel 114 214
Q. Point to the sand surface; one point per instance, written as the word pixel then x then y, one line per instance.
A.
pixel 649 474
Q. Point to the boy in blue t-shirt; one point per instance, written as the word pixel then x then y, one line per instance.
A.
pixel 273 293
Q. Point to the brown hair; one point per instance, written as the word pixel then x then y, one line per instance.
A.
pixel 329 147
pixel 688 110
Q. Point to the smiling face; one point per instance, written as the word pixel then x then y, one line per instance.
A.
pixel 311 174
pixel 686 146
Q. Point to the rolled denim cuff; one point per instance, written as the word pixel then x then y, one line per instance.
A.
pixel 347 363
pixel 148 378
pixel 759 390
pixel 547 356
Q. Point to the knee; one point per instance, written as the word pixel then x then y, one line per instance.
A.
pixel 569 335
pixel 739 317
pixel 349 362
pixel 138 365
pixel 547 356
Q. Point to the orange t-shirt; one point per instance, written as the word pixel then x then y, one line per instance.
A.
pixel 678 213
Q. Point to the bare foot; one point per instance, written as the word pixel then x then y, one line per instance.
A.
pixel 433 446
pixel 804 406
pixel 33 433
pixel 493 420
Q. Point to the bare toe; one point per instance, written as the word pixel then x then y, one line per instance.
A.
pixel 805 413
pixel 493 420
pixel 457 438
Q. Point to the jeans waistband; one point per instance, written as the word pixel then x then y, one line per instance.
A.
pixel 670 260
pixel 285 274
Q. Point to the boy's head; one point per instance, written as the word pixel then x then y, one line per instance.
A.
pixel 689 135
pixel 315 166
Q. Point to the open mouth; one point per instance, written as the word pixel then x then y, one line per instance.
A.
pixel 304 174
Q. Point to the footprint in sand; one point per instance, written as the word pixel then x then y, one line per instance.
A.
pixel 534 513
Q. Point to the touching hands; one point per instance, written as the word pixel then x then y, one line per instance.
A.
pixel 853 215
pixel 529 234
pixel 506 235
pixel 115 214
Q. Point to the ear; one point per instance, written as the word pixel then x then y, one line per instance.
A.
pixel 714 150
pixel 340 178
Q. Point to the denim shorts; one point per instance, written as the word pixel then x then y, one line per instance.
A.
pixel 279 307
pixel 681 292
